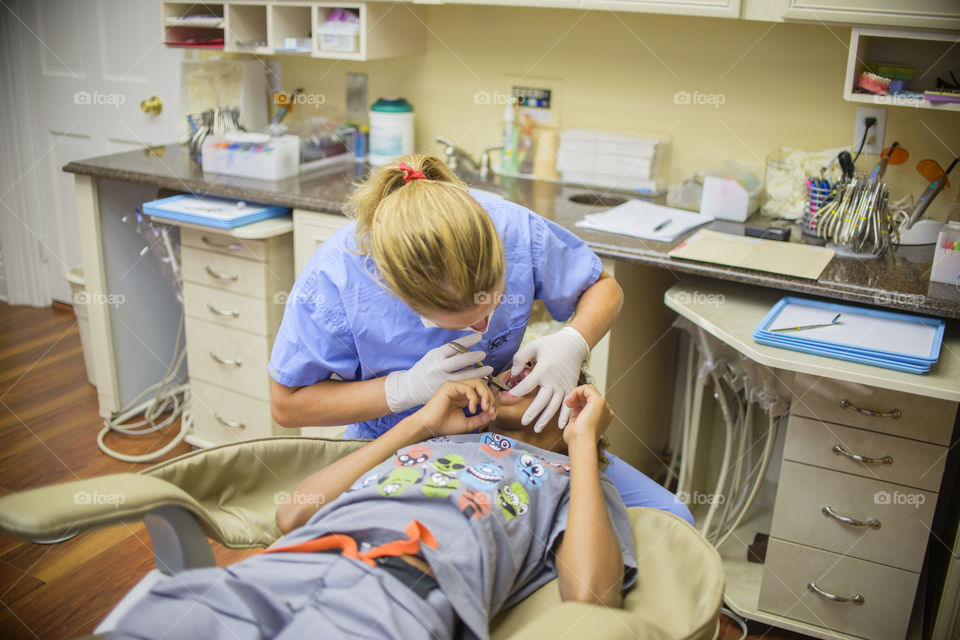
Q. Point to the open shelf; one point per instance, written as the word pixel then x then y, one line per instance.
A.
pixel 246 28
pixel 188 24
pixel 931 54
pixel 290 21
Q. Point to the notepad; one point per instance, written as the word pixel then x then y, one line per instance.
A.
pixel 787 258
pixel 643 219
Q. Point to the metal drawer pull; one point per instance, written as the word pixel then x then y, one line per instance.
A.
pixel 229 423
pixel 232 246
pixel 893 413
pixel 235 313
pixel 235 363
pixel 830 513
pixel 857 599
pixel 232 277
pixel 840 451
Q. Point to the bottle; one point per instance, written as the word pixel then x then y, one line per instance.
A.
pixel 508 157
pixel 524 145
pixel 391 130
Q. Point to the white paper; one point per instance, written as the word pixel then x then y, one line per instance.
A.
pixel 640 218
pixel 858 330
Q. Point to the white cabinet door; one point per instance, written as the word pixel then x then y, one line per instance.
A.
pixel 927 14
pixel 556 4
pixel 711 8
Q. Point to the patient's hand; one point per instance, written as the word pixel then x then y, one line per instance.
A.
pixel 444 412
pixel 589 414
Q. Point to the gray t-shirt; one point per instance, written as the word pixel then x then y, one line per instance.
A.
pixel 495 505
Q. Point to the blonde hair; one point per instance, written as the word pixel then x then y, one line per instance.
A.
pixel 434 245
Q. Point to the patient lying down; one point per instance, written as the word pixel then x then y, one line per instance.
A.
pixel 426 532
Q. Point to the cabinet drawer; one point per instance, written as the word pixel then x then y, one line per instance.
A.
pixel 220 243
pixel 896 413
pixel 911 463
pixel 243 358
pixel 228 309
pixel 310 230
pixel 228 273
pixel 904 515
pixel 887 593
pixel 222 416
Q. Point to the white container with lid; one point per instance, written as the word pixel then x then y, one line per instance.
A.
pixel 391 130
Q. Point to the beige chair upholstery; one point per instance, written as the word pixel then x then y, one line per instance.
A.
pixel 232 491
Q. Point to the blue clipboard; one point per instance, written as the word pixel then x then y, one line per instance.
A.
pixel 912 342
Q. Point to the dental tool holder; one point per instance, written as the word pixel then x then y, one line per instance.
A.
pixel 857 217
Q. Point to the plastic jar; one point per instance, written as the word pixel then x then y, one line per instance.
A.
pixel 391 130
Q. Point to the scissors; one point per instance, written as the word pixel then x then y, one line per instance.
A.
pixel 488 379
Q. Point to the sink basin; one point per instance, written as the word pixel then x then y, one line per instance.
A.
pixel 597 200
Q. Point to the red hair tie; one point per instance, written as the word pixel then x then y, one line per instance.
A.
pixel 409 173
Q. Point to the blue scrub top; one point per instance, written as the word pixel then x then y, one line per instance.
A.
pixel 340 320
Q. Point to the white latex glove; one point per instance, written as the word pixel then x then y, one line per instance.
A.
pixel 559 357
pixel 414 386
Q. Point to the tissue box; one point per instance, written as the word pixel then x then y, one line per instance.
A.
pixel 729 198
pixel 252 155
pixel 946 257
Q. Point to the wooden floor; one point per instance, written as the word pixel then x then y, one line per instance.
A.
pixel 48 429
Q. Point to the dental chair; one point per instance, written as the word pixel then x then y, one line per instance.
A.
pixel 231 492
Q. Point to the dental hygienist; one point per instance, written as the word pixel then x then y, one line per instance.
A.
pixel 423 263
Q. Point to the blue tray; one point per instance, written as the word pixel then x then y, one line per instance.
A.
pixel 890 359
pixel 221 213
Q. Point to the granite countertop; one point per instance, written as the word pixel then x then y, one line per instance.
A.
pixel 899 280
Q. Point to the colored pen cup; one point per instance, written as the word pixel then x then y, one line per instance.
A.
pixel 946 256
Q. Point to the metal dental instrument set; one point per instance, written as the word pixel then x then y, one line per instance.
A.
pixel 856 213
pixel 488 379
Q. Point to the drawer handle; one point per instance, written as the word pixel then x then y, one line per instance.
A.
pixel 830 513
pixel 840 451
pixel 229 423
pixel 857 599
pixel 232 277
pixel 232 246
pixel 234 313
pixel 235 363
pixel 873 413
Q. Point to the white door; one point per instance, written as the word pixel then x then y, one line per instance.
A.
pixel 86 66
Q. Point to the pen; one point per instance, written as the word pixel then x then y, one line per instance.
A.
pixel 810 326
pixel 663 224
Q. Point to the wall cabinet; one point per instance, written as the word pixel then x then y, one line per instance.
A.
pixel 711 8
pixel 924 14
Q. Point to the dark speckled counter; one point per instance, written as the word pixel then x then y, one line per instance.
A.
pixel 899 280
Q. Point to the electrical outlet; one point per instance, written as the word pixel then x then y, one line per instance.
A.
pixel 874 143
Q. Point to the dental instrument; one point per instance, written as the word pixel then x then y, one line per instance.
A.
pixel 811 326
pixel 488 379
pixel 931 170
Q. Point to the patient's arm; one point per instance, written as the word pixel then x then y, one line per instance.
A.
pixel 589 563
pixel 443 414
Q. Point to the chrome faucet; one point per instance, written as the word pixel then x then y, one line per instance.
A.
pixel 462 162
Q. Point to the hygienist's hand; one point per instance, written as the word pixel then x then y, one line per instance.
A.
pixel 446 412
pixel 559 358
pixel 416 385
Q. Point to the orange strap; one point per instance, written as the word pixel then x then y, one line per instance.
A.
pixel 415 530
